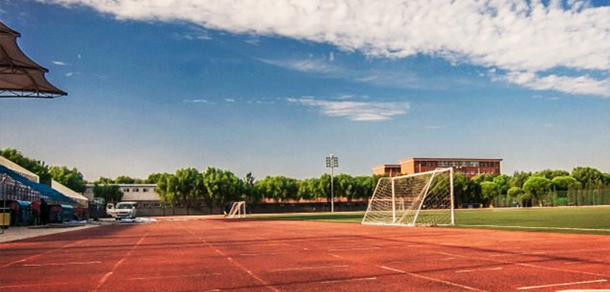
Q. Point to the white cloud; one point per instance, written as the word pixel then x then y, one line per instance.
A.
pixel 231 100
pixel 309 65
pixel 512 35
pixel 574 85
pixel 325 68
pixel 195 100
pixel 356 111
pixel 195 33
pixel 60 63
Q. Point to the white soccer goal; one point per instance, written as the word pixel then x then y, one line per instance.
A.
pixel 420 199
pixel 238 210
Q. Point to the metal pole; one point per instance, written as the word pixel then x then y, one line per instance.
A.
pixel 393 202
pixel 451 195
pixel 332 162
pixel 332 194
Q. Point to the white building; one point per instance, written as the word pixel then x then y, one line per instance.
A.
pixel 132 192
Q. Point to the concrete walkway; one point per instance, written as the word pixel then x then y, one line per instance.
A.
pixel 17 233
pixel 22 232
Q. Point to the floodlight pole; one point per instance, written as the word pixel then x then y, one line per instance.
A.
pixel 332 162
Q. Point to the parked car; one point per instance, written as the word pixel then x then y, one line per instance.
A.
pixel 122 210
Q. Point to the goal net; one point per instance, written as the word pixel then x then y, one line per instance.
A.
pixel 421 199
pixel 238 210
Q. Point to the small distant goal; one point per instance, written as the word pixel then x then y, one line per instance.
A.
pixel 420 199
pixel 238 210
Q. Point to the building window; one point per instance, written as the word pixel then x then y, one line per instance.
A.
pixel 144 190
pixel 136 190
pixel 126 190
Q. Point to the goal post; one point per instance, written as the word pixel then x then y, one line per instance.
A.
pixel 238 210
pixel 420 199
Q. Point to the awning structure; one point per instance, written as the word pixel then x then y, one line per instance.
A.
pixel 13 186
pixel 19 75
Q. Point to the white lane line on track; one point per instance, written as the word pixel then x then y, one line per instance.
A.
pixel 238 265
pixel 310 268
pixel 177 276
pixel 33 285
pixel 62 264
pixel 531 227
pixel 524 264
pixel 258 254
pixel 563 284
pixel 432 279
pixel 423 260
pixel 353 248
pixel 46 252
pixel 478 270
pixel 348 280
pixel 585 290
pixel 107 275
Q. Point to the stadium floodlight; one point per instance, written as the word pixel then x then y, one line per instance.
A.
pixel 420 199
pixel 332 162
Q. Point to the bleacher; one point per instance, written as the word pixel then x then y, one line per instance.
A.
pixel 14 179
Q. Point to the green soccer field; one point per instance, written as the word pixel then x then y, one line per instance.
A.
pixel 595 220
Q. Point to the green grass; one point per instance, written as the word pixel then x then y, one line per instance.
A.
pixel 594 220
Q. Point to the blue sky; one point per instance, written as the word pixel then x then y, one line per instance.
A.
pixel 272 87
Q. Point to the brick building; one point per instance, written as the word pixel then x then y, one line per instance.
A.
pixel 389 169
pixel 468 166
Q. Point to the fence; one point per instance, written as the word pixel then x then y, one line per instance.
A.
pixel 561 198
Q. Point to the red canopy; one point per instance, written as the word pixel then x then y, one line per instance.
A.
pixel 19 75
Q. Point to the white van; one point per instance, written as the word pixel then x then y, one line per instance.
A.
pixel 122 210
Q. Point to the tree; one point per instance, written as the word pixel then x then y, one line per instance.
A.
pixel 606 179
pixel 167 188
pixel 515 192
pixel 250 191
pixel 104 180
pixel 323 187
pixel 123 179
pixel 153 178
pixel 186 188
pixel 489 190
pixel 550 174
pixel 537 186
pixel 345 187
pixel 519 178
pixel 479 178
pixel 565 183
pixel 221 187
pixel 70 178
pixel 460 187
pixel 111 193
pixel 278 188
pixel 590 178
pixel 308 189
pixel 35 166
pixel 503 182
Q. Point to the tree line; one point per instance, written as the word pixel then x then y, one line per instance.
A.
pixel 69 177
pixel 216 187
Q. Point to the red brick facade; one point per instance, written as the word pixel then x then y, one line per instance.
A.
pixel 468 166
pixel 387 169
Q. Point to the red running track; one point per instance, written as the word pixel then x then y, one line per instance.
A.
pixel 242 255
